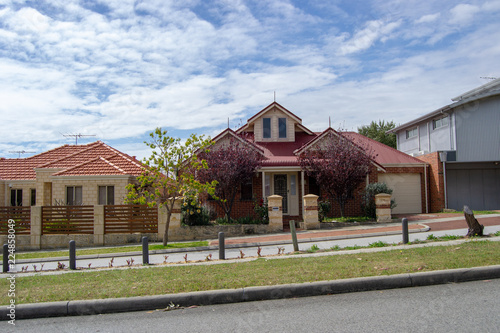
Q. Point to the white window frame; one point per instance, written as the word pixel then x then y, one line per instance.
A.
pixel 412 133
pixel 440 122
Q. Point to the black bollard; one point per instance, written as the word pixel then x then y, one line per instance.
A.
pixel 5 267
pixel 222 250
pixel 145 251
pixel 405 230
pixel 294 236
pixel 72 254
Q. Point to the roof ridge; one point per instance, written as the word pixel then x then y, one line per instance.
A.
pixel 125 156
pixel 88 162
pixel 89 147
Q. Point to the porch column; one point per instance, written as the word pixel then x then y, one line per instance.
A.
pixel 275 203
pixel 264 185
pixel 303 189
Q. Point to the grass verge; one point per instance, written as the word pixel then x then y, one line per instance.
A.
pixel 157 280
pixel 117 249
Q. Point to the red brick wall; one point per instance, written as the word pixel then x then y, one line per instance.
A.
pixel 436 181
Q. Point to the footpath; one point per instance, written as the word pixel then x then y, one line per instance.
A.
pixel 418 224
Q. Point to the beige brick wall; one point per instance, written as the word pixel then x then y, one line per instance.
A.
pixel 274 114
pixel 90 188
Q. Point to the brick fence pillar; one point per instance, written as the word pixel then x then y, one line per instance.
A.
pixel 311 220
pixel 383 207
pixel 36 227
pixel 175 218
pixel 98 225
pixel 275 203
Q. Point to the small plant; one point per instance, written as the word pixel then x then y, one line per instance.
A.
pixel 259 250
pixel 355 247
pixel 261 211
pixel 450 237
pixel 335 248
pixel 41 267
pixel 242 255
pixel 34 267
pixel 60 265
pixel 165 259
pixel 24 268
pixel 497 233
pixel 186 258
pixel 110 264
pixel 130 262
pixel 314 248
pixel 172 306
pixel 281 250
pixel 431 237
pixel 89 264
pixel 209 257
pixel 324 207
pixel 378 244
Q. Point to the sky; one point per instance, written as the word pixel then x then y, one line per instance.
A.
pixel 117 69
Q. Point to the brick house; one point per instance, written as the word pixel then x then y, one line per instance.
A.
pixel 279 136
pixel 89 174
pixel 461 144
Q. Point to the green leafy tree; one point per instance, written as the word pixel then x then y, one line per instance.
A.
pixel 170 173
pixel 377 132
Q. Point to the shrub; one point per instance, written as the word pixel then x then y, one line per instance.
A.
pixel 368 199
pixel 324 207
pixel 261 211
pixel 193 213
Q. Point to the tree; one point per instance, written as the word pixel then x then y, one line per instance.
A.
pixel 170 173
pixel 377 132
pixel 338 165
pixel 230 164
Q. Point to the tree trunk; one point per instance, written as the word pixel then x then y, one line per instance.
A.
pixel 475 229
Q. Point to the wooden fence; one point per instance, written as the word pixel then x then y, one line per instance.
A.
pixel 20 214
pixel 127 219
pixel 67 220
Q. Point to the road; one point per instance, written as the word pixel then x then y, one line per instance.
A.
pixel 464 307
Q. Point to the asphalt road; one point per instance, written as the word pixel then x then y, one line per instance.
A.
pixel 463 307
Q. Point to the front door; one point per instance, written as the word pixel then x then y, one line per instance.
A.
pixel 281 188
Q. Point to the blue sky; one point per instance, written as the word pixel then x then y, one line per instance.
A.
pixel 118 69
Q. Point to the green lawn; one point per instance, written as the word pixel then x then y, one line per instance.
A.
pixel 170 278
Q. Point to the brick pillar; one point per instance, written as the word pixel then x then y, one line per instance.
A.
pixel 36 227
pixel 311 220
pixel 175 218
pixel 274 203
pixel 383 207
pixel 98 225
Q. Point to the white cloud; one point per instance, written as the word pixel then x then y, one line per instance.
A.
pixel 463 14
pixel 364 39
pixel 428 18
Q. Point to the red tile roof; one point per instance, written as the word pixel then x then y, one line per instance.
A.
pixel 95 158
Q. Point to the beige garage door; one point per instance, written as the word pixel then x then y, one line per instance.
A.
pixel 405 190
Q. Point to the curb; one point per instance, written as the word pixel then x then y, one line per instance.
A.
pixel 146 303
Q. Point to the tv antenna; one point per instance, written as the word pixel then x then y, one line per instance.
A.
pixel 488 77
pixel 76 136
pixel 19 152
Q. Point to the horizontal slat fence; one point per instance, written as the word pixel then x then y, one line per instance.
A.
pixel 20 214
pixel 127 219
pixel 67 220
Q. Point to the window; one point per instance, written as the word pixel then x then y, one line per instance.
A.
pixel 282 127
pixel 106 195
pixel 266 128
pixel 74 195
pixel 16 197
pixel 267 186
pixel 246 190
pixel 440 122
pixel 33 197
pixel 411 133
pixel 293 185
pixel 313 186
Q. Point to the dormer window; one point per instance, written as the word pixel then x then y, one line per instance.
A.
pixel 282 127
pixel 266 126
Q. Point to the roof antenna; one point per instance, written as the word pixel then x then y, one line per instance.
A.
pixel 76 136
pixel 329 121
pixel 488 77
pixel 275 96
pixel 21 152
pixel 227 122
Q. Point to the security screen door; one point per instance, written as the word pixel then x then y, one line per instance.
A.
pixel 280 188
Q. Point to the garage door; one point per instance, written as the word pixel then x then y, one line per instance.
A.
pixel 405 190
pixel 477 188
